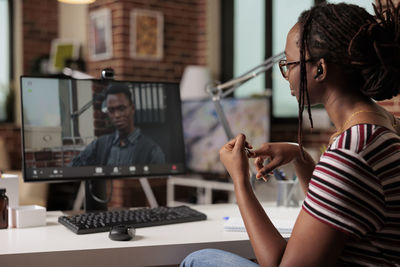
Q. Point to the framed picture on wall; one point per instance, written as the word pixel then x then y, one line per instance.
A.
pixel 60 51
pixel 100 34
pixel 146 34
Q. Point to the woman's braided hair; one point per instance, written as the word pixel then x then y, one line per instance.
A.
pixel 366 47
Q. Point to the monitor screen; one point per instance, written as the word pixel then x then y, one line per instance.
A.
pixel 204 135
pixel 84 129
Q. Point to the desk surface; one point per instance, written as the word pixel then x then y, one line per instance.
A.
pixel 55 245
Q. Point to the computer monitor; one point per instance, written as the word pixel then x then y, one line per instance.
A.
pixel 204 134
pixel 72 130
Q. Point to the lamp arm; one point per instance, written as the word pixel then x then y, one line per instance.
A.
pixel 246 78
pixel 273 59
pixel 250 74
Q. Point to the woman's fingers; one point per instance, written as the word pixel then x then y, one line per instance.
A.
pixel 259 163
pixel 248 145
pixel 237 144
pixel 240 141
pixel 264 170
pixel 230 144
pixel 263 151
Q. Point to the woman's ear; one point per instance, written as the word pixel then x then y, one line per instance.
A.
pixel 321 70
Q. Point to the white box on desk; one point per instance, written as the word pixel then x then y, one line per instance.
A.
pixel 28 216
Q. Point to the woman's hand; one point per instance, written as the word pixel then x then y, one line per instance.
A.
pixel 235 158
pixel 278 154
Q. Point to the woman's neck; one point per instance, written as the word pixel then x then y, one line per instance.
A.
pixel 344 106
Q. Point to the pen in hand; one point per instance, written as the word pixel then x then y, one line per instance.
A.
pixel 249 153
pixel 247 148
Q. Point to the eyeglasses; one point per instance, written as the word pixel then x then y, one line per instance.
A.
pixel 284 66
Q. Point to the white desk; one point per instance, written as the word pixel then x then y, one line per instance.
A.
pixel 55 245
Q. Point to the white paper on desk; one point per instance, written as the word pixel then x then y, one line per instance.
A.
pixel 236 224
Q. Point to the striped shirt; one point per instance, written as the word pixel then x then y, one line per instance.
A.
pixel 355 188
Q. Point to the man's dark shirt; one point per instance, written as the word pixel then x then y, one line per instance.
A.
pixel 105 150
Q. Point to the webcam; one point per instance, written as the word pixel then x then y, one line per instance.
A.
pixel 107 74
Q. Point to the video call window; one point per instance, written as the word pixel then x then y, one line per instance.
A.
pixel 73 129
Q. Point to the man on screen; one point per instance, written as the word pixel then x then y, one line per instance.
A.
pixel 127 145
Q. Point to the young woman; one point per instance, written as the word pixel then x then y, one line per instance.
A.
pixel 344 58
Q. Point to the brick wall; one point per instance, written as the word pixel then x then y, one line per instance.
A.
pixel 11 137
pixel 40 27
pixel 184 39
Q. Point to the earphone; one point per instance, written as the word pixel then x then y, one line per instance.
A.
pixel 319 72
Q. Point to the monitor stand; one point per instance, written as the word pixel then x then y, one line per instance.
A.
pixel 99 189
pixel 148 192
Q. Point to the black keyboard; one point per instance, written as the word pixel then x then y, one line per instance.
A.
pixel 94 222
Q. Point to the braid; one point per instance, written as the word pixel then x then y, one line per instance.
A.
pixel 367 48
pixel 303 82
